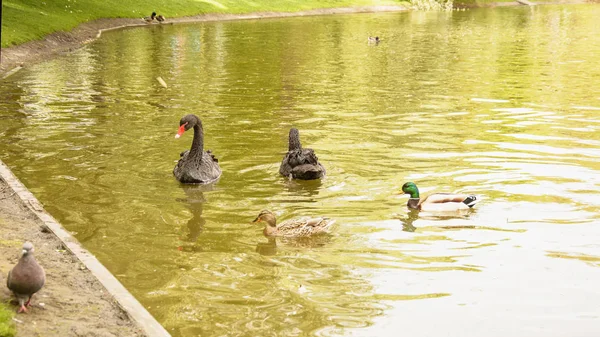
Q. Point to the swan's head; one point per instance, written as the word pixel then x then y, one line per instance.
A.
pixel 186 123
pixel 410 188
pixel 266 216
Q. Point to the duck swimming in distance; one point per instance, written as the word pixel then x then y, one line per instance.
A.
pixel 374 39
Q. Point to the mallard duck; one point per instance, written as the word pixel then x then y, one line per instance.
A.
pixel 374 39
pixel 149 19
pixel 438 202
pixel 195 166
pixel 302 227
pixel 160 18
pixel 300 163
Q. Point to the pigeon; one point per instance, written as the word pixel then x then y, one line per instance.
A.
pixel 26 278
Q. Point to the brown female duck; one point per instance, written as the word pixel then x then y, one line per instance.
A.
pixel 302 227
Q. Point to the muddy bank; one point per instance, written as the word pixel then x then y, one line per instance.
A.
pixel 73 302
pixel 61 42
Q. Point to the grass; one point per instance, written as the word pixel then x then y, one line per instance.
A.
pixel 7 326
pixel 27 20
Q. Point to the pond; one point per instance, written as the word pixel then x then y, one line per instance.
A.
pixel 502 102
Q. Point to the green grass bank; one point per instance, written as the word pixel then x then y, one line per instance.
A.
pixel 7 326
pixel 27 20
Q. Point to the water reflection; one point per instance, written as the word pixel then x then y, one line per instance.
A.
pixel 312 242
pixel 441 218
pixel 268 248
pixel 195 202
pixel 407 222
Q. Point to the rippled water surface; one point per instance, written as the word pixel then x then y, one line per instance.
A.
pixel 501 102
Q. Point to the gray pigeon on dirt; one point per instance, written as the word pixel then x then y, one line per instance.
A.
pixel 26 278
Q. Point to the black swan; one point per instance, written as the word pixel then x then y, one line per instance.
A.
pixel 195 166
pixel 300 163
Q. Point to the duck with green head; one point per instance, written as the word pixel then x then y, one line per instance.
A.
pixel 438 202
pixel 302 227
pixel 150 18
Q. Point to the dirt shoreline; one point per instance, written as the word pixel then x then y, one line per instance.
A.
pixel 73 302
pixel 63 42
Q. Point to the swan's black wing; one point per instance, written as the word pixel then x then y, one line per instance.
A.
pixel 189 171
pixel 302 164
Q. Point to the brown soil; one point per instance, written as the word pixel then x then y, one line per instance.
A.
pixel 63 42
pixel 73 302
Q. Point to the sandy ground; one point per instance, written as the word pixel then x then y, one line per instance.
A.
pixel 73 302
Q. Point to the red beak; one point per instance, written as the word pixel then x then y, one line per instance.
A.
pixel 181 130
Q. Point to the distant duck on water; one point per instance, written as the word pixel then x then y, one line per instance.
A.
pixel 160 19
pixel 374 39
pixel 438 202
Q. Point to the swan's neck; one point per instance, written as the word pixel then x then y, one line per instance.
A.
pixel 294 143
pixel 198 142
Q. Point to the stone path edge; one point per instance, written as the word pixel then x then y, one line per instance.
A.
pixel 123 297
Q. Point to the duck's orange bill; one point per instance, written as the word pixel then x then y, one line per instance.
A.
pixel 256 220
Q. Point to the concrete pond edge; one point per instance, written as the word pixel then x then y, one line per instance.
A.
pixel 129 304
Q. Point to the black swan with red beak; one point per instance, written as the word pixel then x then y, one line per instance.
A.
pixel 196 166
pixel 300 163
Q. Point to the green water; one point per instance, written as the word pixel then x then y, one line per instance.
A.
pixel 501 102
